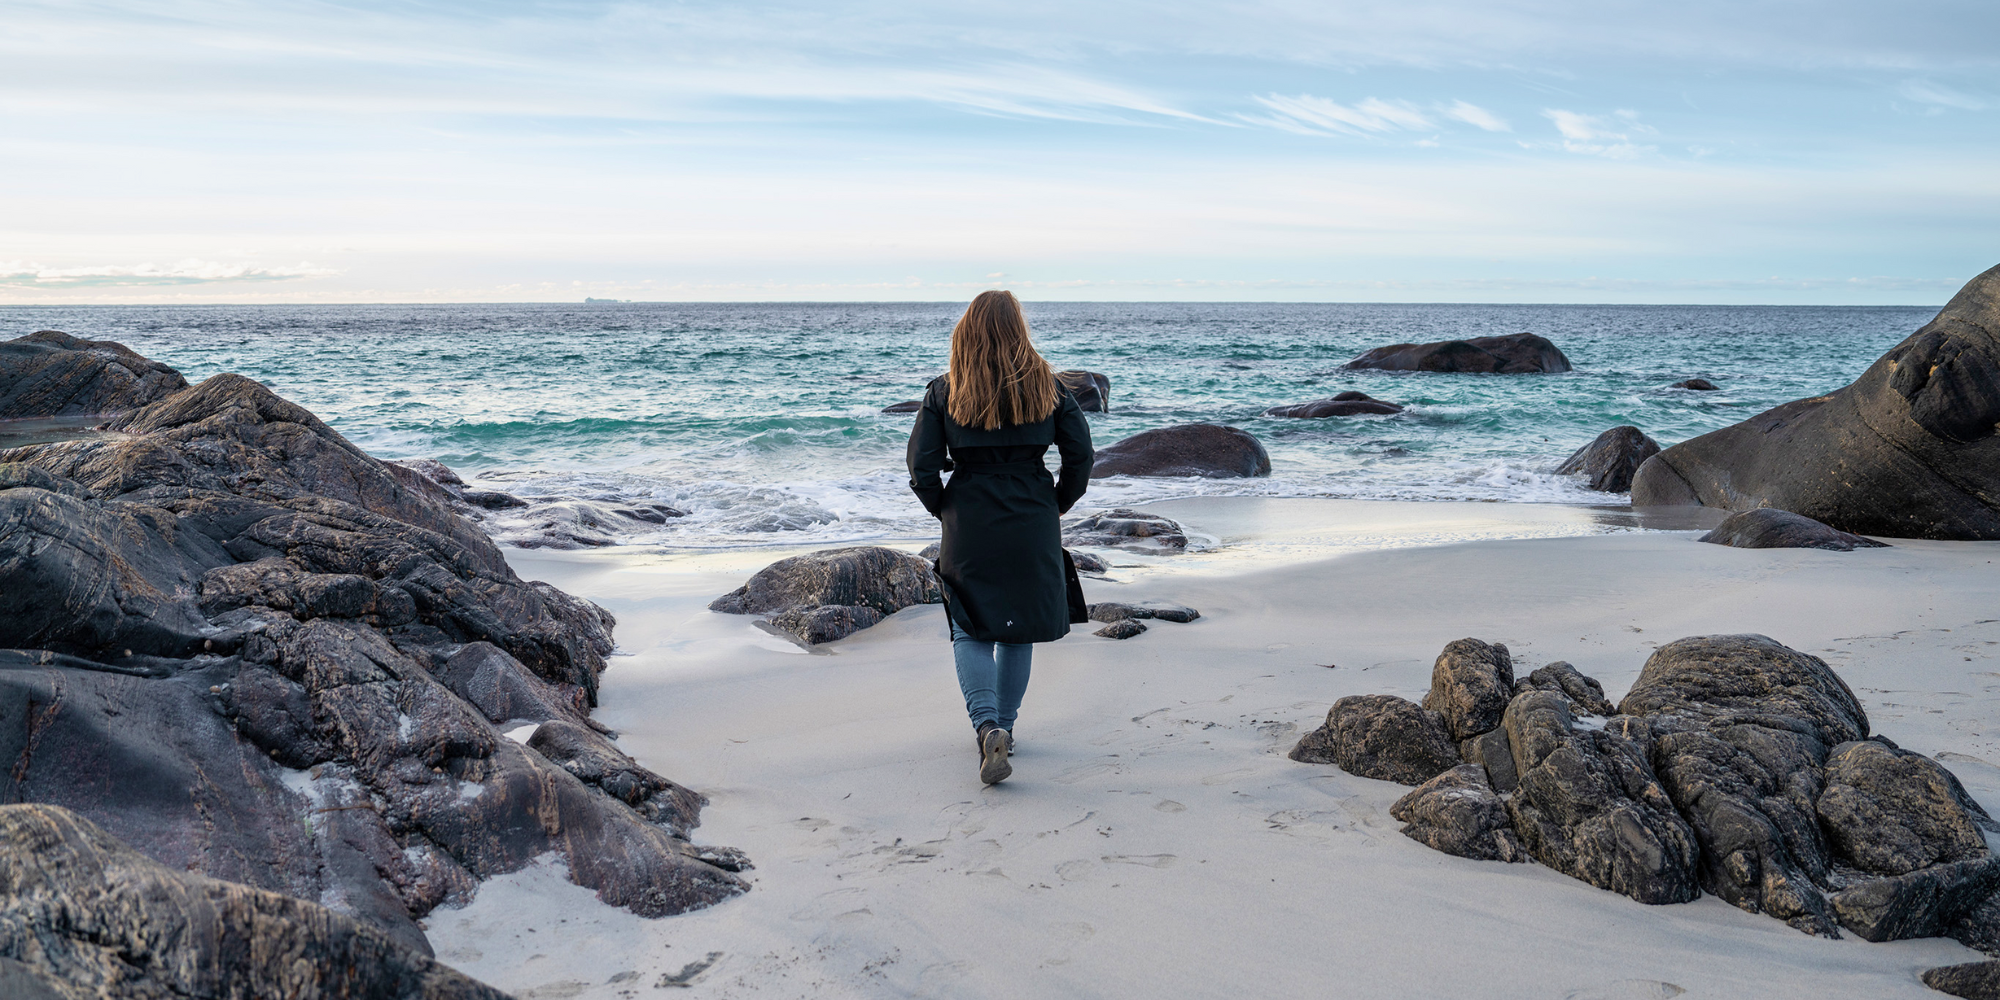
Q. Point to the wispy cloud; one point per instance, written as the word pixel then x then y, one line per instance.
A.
pixel 1938 96
pixel 1592 135
pixel 1311 115
pixel 187 272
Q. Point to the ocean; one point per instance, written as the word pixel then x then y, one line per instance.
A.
pixel 764 422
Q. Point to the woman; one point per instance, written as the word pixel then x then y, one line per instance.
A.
pixel 1007 581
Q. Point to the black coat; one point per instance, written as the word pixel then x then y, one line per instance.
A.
pixel 1006 576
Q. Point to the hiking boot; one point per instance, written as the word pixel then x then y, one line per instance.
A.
pixel 993 766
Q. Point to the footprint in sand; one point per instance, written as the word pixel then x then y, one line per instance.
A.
pixel 1142 860
pixel 935 977
pixel 1170 806
pixel 1629 989
pixel 828 905
pixel 1076 871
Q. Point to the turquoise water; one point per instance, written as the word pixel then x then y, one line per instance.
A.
pixel 763 420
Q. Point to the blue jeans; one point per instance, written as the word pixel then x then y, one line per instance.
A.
pixel 993 679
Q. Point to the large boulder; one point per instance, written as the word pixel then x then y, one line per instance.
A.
pixel 1471 684
pixel 1506 355
pixel 1749 678
pixel 83 915
pixel 1124 528
pixel 1210 451
pixel 1890 811
pixel 52 374
pixel 1908 450
pixel 1381 736
pixel 1091 389
pixel 1607 463
pixel 1340 404
pixel 833 593
pixel 1771 528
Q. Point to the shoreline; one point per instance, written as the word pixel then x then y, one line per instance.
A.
pixel 1155 840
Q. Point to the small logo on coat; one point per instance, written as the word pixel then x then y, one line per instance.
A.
pixel 1010 624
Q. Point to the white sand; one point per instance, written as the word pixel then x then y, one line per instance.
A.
pixel 1154 841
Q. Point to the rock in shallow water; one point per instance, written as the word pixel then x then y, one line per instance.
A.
pixel 1210 451
pixel 1697 384
pixel 1506 355
pixel 88 916
pixel 1771 528
pixel 1091 389
pixel 1340 404
pixel 1907 451
pixel 1607 463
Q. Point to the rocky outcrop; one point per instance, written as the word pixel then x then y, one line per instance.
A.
pixel 834 593
pixel 83 915
pixel 1091 389
pixel 1340 404
pixel 250 650
pixel 1210 451
pixel 1381 736
pixel 1697 384
pixel 1771 528
pixel 1123 527
pixel 1459 813
pixel 1607 463
pixel 1507 355
pixel 1735 766
pixel 52 374
pixel 1909 450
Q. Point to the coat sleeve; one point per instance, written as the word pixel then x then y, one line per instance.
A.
pixel 926 456
pixel 1073 443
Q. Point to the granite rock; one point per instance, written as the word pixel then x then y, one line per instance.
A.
pixel 1509 354
pixel 1607 463
pixel 1459 813
pixel 1210 451
pixel 1771 528
pixel 1381 736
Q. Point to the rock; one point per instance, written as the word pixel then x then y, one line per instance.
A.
pixel 862 576
pixel 1492 751
pixel 52 374
pixel 1891 812
pixel 1381 736
pixel 1471 684
pixel 825 623
pixel 1608 462
pixel 1112 611
pixel 1340 404
pixel 1210 451
pixel 1123 628
pixel 1697 384
pixel 1124 527
pixel 1973 980
pixel 86 915
pixel 1924 903
pixel 1584 691
pixel 1086 563
pixel 1092 390
pixel 1771 528
pixel 1751 679
pixel 1979 928
pixel 1908 450
pixel 1511 354
pixel 932 551
pixel 1589 806
pixel 591 757
pixel 1174 613
pixel 1458 813
pixel 503 690
pixel 906 406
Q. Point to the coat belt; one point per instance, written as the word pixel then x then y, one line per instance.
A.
pixel 1000 468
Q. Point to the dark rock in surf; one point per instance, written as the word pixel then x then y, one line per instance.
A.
pixel 1584 691
pixel 1340 404
pixel 1607 463
pixel 1210 451
pixel 1087 563
pixel 1908 450
pixel 1697 384
pixel 1091 389
pixel 862 576
pixel 1972 981
pixel 1471 684
pixel 906 406
pixel 1459 813
pixel 1381 736
pixel 1512 354
pixel 89 916
pixel 1122 628
pixel 1771 528
pixel 1125 528
pixel 52 374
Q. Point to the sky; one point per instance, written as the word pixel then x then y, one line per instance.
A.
pixel 1831 152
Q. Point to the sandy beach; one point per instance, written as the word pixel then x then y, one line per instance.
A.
pixel 1154 840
